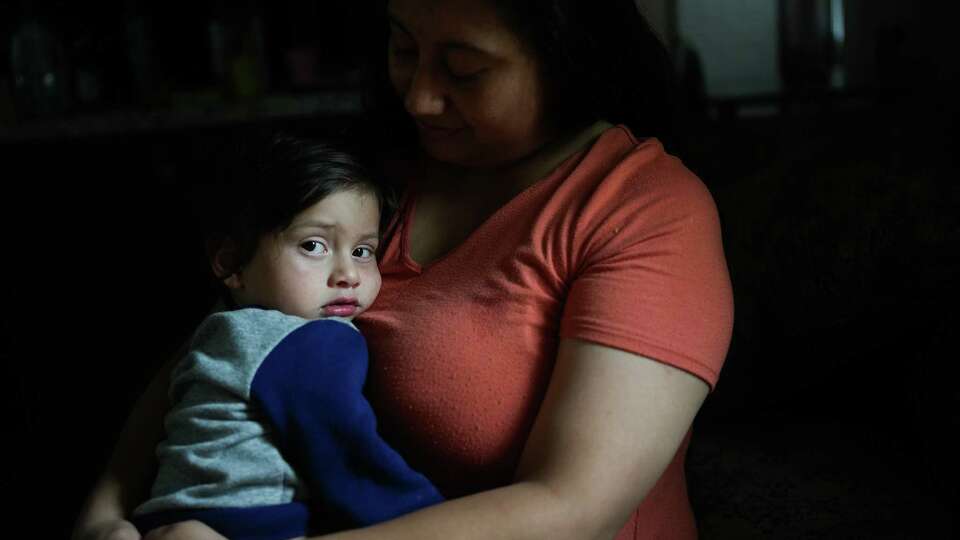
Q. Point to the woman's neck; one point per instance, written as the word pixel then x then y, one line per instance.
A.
pixel 518 175
pixel 542 162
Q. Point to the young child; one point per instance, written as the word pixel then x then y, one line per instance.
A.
pixel 269 436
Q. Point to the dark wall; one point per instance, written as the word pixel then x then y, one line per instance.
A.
pixel 840 217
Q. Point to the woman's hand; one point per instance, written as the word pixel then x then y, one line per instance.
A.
pixel 185 530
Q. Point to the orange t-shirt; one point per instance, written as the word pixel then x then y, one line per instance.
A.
pixel 620 246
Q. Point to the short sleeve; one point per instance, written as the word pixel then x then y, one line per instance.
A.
pixel 650 276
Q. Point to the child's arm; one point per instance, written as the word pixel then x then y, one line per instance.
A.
pixel 311 386
pixel 112 530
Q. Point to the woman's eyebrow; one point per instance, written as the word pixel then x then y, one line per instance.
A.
pixel 447 45
pixel 464 47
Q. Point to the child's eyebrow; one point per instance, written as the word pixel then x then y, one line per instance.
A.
pixel 313 225
pixel 370 237
pixel 365 237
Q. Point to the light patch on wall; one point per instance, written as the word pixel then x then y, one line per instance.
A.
pixel 737 44
pixel 838 25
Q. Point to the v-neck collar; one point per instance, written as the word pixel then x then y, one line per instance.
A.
pixel 547 166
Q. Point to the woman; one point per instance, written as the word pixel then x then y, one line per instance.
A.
pixel 555 304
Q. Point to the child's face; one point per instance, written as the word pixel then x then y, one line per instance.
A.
pixel 322 265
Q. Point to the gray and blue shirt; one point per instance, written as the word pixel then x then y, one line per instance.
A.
pixel 270 436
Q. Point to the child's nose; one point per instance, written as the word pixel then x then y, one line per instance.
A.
pixel 345 275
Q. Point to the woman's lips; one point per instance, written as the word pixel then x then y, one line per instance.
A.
pixel 341 308
pixel 437 131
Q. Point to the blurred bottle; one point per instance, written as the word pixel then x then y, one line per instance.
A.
pixel 38 66
pixel 140 53
pixel 238 58
pixel 302 56
pixel 89 78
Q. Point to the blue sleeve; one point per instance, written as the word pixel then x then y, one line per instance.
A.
pixel 310 387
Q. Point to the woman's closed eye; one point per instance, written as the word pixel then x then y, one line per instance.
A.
pixel 465 66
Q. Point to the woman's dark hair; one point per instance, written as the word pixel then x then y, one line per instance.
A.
pixel 263 181
pixel 602 61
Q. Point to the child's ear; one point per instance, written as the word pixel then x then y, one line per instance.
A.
pixel 223 262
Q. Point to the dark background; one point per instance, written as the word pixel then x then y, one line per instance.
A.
pixel 836 412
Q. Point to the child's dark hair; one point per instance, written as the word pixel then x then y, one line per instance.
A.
pixel 263 182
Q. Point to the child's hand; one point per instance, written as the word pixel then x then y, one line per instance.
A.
pixel 186 530
pixel 112 530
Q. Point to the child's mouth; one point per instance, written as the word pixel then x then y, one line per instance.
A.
pixel 341 307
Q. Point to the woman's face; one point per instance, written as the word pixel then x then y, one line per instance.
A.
pixel 472 85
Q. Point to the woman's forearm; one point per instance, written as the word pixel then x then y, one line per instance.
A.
pixel 127 478
pixel 524 510
pixel 609 426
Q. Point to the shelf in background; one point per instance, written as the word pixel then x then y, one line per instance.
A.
pixel 186 112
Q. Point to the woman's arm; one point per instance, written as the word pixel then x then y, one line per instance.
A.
pixel 609 426
pixel 131 468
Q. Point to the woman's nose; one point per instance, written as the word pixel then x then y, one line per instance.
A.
pixel 425 95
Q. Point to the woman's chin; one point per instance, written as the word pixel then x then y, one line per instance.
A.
pixel 448 153
pixel 460 155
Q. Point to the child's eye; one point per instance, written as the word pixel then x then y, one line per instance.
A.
pixel 313 247
pixel 363 252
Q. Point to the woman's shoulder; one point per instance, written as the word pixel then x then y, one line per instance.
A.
pixel 633 157
pixel 622 170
